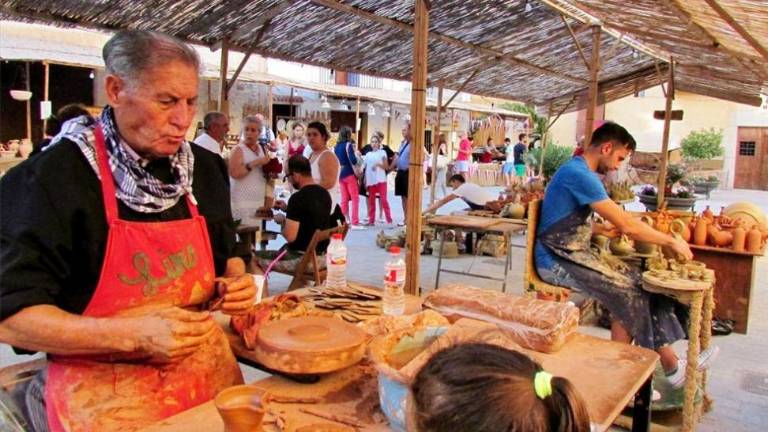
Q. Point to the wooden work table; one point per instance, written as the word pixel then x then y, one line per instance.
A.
pixel 734 276
pixel 607 375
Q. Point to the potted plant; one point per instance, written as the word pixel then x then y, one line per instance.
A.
pixel 705 185
pixel 676 194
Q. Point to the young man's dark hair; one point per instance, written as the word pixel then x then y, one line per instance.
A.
pixel 520 137
pixel 610 131
pixel 506 140
pixel 298 164
pixel 471 138
pixel 457 177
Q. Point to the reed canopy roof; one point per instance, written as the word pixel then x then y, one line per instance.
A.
pixel 537 51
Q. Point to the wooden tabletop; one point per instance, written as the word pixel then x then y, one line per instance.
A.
pixel 477 223
pixel 725 250
pixel 606 374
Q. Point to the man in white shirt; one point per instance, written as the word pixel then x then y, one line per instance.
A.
pixel 216 125
pixel 475 196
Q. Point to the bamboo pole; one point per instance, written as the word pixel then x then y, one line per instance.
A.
pixel 418 113
pixel 593 70
pixel 223 65
pixel 46 91
pixel 665 134
pixel 29 106
pixel 436 145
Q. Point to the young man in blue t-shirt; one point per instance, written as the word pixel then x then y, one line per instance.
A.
pixel 564 256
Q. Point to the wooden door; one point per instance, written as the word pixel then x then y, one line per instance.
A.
pixel 751 159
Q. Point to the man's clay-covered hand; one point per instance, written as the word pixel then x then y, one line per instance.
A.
pixel 172 333
pixel 237 288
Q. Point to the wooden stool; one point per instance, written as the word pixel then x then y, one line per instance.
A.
pixel 698 296
pixel 533 283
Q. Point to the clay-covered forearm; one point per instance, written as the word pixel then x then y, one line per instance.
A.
pixel 49 329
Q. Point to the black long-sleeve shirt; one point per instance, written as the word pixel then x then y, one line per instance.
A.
pixel 53 228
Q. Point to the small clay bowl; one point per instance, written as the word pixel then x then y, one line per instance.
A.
pixel 242 408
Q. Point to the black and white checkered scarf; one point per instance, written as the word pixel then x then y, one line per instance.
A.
pixel 136 187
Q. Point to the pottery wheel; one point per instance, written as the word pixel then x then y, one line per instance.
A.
pixel 666 280
pixel 310 344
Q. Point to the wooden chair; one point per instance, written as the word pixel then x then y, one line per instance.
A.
pixel 302 272
pixel 534 283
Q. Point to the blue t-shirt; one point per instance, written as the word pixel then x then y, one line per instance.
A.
pixel 573 187
pixel 404 158
pixel 346 156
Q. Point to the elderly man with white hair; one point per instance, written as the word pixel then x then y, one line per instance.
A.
pixel 216 126
pixel 111 242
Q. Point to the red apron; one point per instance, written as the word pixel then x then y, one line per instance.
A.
pixel 146 266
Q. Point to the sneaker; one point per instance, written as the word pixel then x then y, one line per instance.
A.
pixel 402 223
pixel 705 359
pixel 357 227
pixel 383 221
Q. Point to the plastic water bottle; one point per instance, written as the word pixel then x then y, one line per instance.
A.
pixel 394 282
pixel 336 263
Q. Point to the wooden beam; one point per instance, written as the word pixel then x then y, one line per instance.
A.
pixel 265 18
pixel 231 81
pixel 561 112
pixel 593 77
pixel 740 58
pixel 461 88
pixel 497 55
pixel 575 40
pixel 223 93
pixel 436 144
pixel 754 43
pixel 665 134
pixel 418 113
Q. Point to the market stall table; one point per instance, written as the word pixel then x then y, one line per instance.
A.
pixel 607 375
pixel 480 225
pixel 734 277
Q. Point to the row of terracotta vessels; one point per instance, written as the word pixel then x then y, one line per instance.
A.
pixel 707 229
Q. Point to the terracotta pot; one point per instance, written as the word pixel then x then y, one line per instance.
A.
pixel 621 246
pixel 700 232
pixel 242 408
pixel 754 241
pixel 680 228
pixel 739 239
pixel 707 214
pixel 717 237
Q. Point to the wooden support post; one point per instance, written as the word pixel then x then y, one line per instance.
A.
pixel 665 134
pixel 290 106
pixel 436 145
pixel 29 106
pixel 461 88
pixel 46 91
pixel 357 121
pixel 269 106
pixel 544 141
pixel 450 136
pixel 223 65
pixel 389 125
pixel 418 113
pixel 575 41
pixel 593 71
pixel 239 69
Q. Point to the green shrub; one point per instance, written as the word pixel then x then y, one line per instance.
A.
pixel 554 157
pixel 703 144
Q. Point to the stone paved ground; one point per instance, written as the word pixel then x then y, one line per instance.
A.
pixel 739 379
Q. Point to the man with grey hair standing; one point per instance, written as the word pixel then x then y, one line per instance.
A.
pixel 110 256
pixel 216 126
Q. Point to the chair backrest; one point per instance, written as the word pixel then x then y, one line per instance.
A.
pixel 531 275
pixel 324 235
